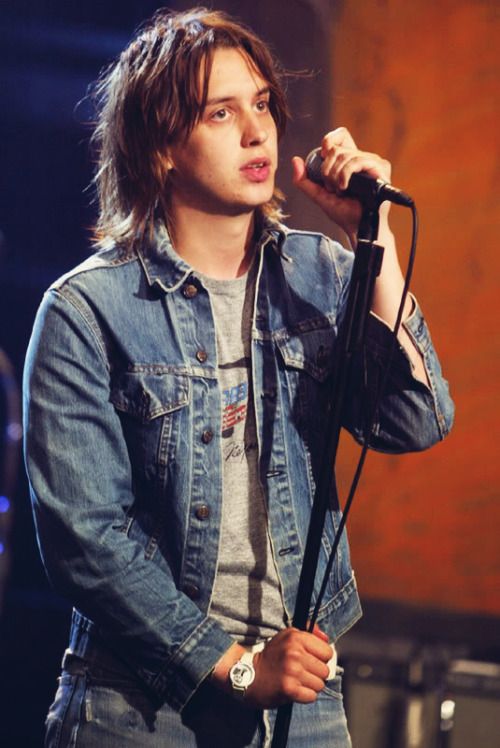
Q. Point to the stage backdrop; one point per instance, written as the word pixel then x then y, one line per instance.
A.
pixel 419 82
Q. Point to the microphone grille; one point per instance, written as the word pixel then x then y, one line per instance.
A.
pixel 313 166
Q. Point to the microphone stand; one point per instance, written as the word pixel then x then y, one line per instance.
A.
pixel 366 267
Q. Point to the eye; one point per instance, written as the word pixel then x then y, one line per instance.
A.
pixel 263 105
pixel 219 115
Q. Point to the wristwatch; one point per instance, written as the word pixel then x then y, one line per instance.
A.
pixel 242 674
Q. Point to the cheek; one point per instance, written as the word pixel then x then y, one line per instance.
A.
pixel 206 159
pixel 215 167
pixel 274 141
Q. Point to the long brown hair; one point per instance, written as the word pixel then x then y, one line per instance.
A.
pixel 151 97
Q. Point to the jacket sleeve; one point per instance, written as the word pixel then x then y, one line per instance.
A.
pixel 410 415
pixel 80 482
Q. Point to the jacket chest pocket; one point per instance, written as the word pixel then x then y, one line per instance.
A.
pixel 151 405
pixel 307 364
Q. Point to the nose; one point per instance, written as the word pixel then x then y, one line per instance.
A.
pixel 254 130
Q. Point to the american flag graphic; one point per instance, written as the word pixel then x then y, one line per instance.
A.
pixel 233 414
pixel 235 405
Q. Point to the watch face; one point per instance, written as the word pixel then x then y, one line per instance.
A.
pixel 242 675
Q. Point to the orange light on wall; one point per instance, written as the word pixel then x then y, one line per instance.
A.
pixel 418 82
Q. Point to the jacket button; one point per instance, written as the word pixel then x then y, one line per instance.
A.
pixel 207 436
pixel 202 512
pixel 192 591
pixel 201 356
pixel 189 291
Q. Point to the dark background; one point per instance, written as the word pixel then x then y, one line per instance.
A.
pixel 50 51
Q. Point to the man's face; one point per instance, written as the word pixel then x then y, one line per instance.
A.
pixel 228 163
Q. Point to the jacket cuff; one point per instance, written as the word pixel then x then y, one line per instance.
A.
pixel 416 327
pixel 194 661
pixel 379 338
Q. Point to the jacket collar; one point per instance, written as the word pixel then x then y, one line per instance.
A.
pixel 164 268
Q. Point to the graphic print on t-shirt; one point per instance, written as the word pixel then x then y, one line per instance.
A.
pixel 234 408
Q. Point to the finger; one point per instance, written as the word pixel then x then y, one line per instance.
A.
pixel 353 163
pixel 340 163
pixel 297 645
pixel 312 682
pixel 338 137
pixel 303 655
pixel 317 647
pixel 305 695
pixel 346 212
pixel 318 665
pixel 306 688
pixel 331 167
pixel 303 689
pixel 319 633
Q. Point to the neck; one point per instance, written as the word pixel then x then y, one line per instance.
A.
pixel 219 246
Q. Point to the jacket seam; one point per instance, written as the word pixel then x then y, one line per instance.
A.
pixel 74 302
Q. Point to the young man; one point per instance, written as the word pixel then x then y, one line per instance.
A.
pixel 175 393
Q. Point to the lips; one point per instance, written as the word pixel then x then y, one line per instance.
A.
pixel 257 170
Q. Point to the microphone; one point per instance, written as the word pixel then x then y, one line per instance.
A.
pixel 362 186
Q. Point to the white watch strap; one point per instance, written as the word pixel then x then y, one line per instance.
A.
pixel 247 657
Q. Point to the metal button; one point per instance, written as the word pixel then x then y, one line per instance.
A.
pixel 202 356
pixel 192 591
pixel 202 512
pixel 189 290
pixel 207 436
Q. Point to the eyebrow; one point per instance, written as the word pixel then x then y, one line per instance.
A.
pixel 225 99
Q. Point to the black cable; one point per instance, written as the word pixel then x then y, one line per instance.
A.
pixel 283 718
pixel 368 431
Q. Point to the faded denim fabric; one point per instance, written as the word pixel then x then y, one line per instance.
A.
pixel 97 704
pixel 120 391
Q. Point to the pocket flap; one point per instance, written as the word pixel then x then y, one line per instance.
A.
pixel 149 395
pixel 311 351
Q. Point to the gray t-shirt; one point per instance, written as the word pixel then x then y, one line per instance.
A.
pixel 246 597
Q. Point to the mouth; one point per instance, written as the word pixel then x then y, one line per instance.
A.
pixel 257 170
pixel 257 163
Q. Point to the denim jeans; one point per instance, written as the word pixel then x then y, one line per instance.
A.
pixel 100 707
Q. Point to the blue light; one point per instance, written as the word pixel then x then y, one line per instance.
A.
pixel 2 548
pixel 4 504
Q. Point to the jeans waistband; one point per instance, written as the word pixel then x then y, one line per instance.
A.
pixel 85 644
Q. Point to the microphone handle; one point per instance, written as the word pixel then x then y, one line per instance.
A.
pixel 362 186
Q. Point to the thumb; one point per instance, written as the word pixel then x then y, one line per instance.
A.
pixel 301 180
pixel 299 169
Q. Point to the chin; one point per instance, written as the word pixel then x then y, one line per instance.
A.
pixel 262 195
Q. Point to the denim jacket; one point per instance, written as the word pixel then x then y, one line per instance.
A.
pixel 122 425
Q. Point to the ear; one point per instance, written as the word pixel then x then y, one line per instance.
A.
pixel 165 167
pixel 168 161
